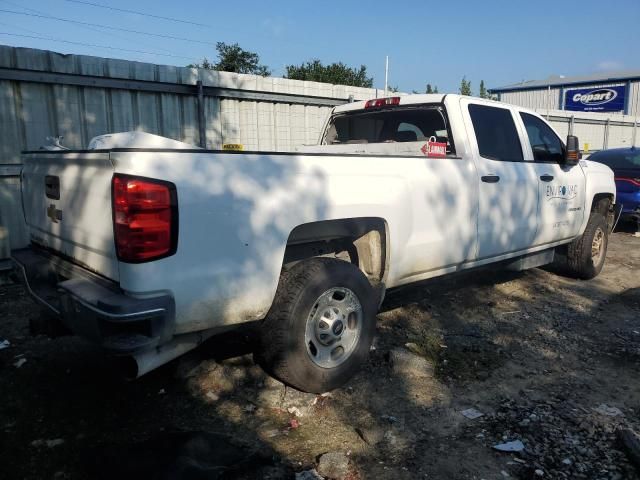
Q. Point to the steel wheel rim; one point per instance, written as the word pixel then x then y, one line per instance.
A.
pixel 333 327
pixel 597 246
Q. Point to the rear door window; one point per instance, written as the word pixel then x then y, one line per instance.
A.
pixel 496 133
pixel 411 124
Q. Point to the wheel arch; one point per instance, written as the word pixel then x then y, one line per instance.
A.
pixel 362 241
pixel 601 202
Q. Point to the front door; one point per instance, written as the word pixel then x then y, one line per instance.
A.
pixel 508 185
pixel 561 185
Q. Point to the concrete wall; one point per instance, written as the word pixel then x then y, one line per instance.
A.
pixel 31 111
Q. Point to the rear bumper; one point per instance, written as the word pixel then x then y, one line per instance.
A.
pixel 94 307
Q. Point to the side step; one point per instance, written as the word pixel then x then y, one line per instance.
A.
pixel 532 260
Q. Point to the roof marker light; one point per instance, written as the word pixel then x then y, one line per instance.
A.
pixel 382 102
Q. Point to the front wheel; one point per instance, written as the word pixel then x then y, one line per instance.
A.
pixel 320 327
pixel 586 254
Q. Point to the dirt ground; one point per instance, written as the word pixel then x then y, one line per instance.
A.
pixel 550 361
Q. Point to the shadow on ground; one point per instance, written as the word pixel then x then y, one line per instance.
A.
pixel 516 346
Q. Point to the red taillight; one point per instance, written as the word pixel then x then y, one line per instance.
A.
pixel 382 102
pixel 144 218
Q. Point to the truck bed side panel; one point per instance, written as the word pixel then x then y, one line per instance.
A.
pixel 237 211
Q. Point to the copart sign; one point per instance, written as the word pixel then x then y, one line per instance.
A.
pixel 599 99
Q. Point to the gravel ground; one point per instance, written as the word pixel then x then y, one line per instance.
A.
pixel 548 361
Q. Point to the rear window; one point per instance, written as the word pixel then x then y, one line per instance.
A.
pixel 624 159
pixel 496 133
pixel 416 124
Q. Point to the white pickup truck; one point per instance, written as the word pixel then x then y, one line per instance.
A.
pixel 148 246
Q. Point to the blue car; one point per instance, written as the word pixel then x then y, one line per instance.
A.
pixel 625 163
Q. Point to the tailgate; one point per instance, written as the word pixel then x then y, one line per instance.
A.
pixel 67 206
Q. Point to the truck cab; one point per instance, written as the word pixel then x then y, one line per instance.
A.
pixel 511 162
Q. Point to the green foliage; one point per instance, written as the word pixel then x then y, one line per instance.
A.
pixel 205 64
pixel 233 58
pixel 393 89
pixel 465 86
pixel 336 73
pixel 484 93
pixel 431 89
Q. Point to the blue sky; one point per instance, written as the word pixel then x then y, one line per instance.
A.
pixel 501 42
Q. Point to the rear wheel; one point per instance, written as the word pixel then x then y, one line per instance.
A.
pixel 320 327
pixel 586 254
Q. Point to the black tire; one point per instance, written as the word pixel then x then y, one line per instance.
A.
pixel 282 350
pixel 580 262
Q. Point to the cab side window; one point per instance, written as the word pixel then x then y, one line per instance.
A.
pixel 496 133
pixel 545 144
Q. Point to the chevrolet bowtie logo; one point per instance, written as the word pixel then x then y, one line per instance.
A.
pixel 54 214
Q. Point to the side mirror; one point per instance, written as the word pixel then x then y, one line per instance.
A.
pixel 572 153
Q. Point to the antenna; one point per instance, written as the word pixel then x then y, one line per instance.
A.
pixel 635 123
pixel 386 75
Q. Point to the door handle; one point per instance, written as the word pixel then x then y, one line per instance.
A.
pixel 546 178
pixel 490 178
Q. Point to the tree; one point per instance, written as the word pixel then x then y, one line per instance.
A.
pixel 465 86
pixel 393 89
pixel 337 73
pixel 205 64
pixel 483 91
pixel 431 89
pixel 233 58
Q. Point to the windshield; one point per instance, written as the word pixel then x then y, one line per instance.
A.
pixel 391 125
pixel 618 159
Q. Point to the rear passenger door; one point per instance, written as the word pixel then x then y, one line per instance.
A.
pixel 561 185
pixel 508 184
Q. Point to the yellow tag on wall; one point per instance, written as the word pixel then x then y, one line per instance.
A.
pixel 233 146
pixel 586 148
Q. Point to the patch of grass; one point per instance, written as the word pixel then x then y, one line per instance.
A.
pixel 427 343
pixel 461 357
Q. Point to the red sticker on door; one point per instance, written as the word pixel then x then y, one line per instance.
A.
pixel 434 149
